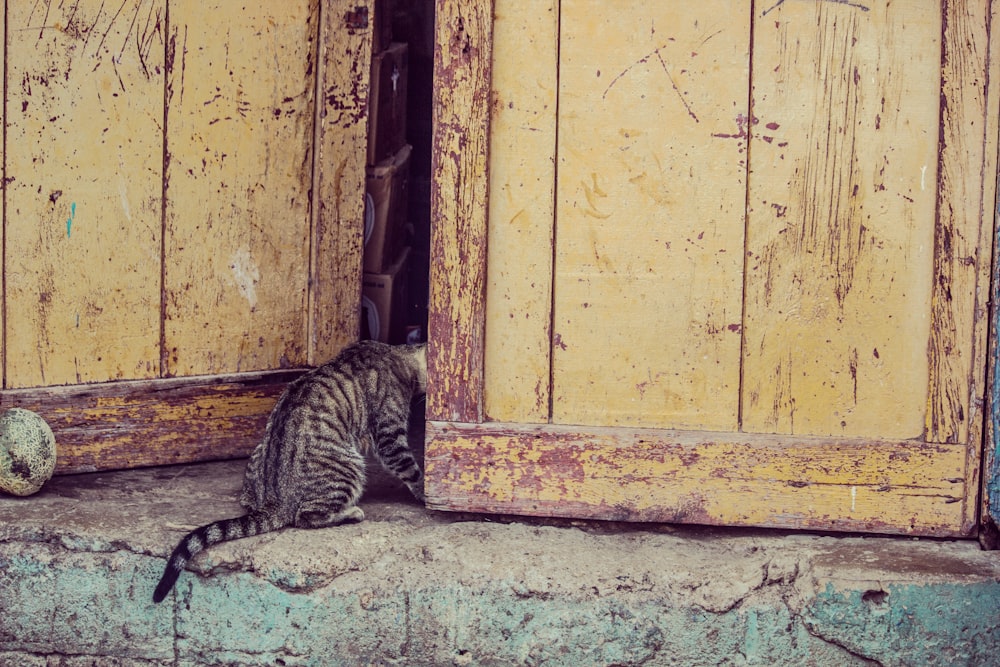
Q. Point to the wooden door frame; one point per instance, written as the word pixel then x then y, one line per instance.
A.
pixel 989 532
pixel 592 472
pixel 462 102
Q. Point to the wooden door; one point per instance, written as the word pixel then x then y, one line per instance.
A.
pixel 182 223
pixel 712 262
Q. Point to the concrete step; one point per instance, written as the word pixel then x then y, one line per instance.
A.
pixel 79 561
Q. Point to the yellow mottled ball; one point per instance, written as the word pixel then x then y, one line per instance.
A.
pixel 27 452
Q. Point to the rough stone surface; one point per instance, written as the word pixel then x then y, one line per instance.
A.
pixel 79 561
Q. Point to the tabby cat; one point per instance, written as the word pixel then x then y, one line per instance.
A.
pixel 309 470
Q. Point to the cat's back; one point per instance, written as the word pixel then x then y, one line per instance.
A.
pixel 375 366
pixel 361 372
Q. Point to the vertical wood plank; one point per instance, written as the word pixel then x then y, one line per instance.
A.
pixel 345 49
pixel 83 193
pixel 840 218
pixel 459 188
pixel 960 263
pixel 983 470
pixel 650 213
pixel 989 529
pixel 521 211
pixel 3 200
pixel 240 113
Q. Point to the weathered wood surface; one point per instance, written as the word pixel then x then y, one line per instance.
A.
pixel 166 215
pixel 983 469
pixel 345 49
pixel 161 192
pixel 158 422
pixel 852 270
pixel 83 163
pixel 239 133
pixel 841 219
pixel 989 533
pixel 3 189
pixel 624 474
pixel 962 231
pixel 650 213
pixel 459 172
pixel 521 211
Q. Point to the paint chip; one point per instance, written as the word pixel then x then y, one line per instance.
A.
pixel 69 220
pixel 245 275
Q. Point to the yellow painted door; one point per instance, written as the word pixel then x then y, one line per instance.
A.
pixel 721 263
pixel 181 216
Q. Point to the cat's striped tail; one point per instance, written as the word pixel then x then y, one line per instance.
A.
pixel 254 523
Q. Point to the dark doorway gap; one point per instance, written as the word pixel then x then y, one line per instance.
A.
pixel 412 23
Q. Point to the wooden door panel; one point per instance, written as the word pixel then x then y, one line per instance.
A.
pixel 522 207
pixel 84 159
pixel 342 83
pixel 865 262
pixel 963 231
pixel 651 191
pixel 239 127
pixel 840 225
pixel 261 199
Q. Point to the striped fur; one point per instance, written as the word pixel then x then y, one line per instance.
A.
pixel 309 469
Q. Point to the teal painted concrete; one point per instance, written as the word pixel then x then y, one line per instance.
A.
pixel 409 587
pixel 934 624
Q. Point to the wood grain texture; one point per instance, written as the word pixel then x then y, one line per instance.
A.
pixel 240 110
pixel 844 201
pixel 83 165
pixel 521 211
pixel 989 467
pixel 650 213
pixel 983 470
pixel 960 235
pixel 158 422
pixel 339 179
pixel 3 201
pixel 689 477
pixel 840 227
pixel 459 194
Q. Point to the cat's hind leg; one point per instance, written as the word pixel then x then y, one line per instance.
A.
pixel 333 486
pixel 323 513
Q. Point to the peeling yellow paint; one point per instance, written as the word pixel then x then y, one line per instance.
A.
pixel 344 64
pixel 840 232
pixel 239 134
pixel 785 276
pixel 701 477
pixel 522 181
pixel 650 214
pixel 82 294
pixel 459 166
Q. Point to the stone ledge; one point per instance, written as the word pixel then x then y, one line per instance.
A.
pixel 78 563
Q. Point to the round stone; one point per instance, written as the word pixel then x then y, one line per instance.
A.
pixel 27 452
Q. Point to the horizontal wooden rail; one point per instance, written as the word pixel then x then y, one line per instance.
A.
pixel 154 422
pixel 739 479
